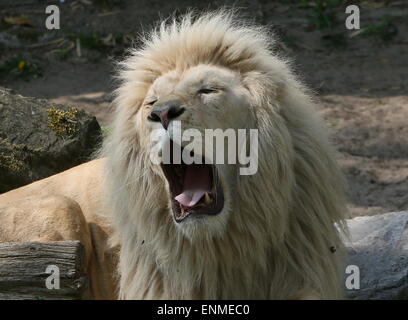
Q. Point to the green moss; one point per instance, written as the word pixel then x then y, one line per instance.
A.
pixel 62 122
pixel 10 162
pixel 11 156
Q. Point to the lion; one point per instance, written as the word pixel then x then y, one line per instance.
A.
pixel 148 233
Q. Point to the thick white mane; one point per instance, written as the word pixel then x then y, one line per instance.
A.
pixel 278 241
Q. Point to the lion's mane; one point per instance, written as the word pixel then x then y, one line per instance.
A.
pixel 282 241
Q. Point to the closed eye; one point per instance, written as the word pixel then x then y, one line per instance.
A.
pixel 150 103
pixel 207 90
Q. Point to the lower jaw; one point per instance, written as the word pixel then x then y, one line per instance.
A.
pixel 193 215
pixel 199 213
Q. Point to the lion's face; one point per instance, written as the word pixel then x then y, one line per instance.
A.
pixel 203 97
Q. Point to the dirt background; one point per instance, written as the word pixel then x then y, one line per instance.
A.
pixel 360 78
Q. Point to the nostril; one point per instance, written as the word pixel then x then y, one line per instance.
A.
pixel 175 112
pixel 154 117
pixel 164 113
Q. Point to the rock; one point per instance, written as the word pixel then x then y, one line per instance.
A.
pixel 39 138
pixel 378 246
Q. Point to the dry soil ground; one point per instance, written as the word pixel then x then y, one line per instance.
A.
pixel 361 79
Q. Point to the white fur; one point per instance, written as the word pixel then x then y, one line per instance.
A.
pixel 273 238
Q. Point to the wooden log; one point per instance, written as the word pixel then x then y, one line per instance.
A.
pixel 24 274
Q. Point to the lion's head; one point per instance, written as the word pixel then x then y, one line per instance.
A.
pixel 215 72
pixel 210 99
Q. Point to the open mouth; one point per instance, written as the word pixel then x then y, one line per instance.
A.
pixel 195 189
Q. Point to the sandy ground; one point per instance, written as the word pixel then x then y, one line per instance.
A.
pixel 362 85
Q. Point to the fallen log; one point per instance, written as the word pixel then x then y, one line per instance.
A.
pixel 43 270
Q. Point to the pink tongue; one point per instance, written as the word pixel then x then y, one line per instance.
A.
pixel 196 184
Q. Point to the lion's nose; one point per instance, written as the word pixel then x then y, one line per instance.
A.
pixel 165 112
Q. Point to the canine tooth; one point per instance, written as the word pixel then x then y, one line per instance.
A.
pixel 207 199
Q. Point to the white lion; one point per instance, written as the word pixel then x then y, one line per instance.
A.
pixel 270 235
